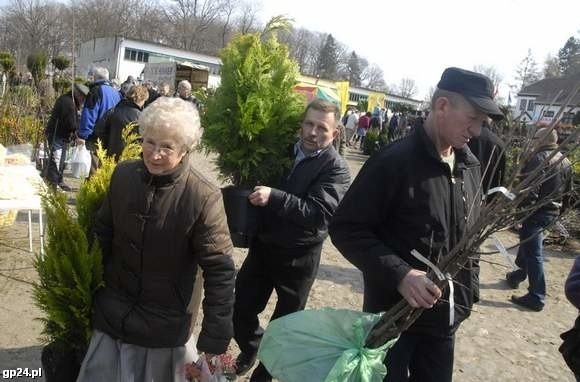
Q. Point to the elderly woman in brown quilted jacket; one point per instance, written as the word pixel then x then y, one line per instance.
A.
pixel 160 220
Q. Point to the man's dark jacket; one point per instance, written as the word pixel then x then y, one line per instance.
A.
pixel 302 204
pixel 63 120
pixel 406 198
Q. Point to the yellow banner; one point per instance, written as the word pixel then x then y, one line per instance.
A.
pixel 342 90
pixel 376 99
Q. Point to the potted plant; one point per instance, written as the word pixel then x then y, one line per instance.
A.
pixel 71 269
pixel 252 120
pixel 69 273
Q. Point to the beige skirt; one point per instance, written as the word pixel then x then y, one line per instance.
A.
pixel 110 360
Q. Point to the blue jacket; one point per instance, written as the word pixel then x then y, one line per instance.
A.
pixel 102 97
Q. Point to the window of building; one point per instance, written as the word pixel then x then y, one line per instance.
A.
pixel 548 113
pixel 523 104
pixel 531 105
pixel 136 55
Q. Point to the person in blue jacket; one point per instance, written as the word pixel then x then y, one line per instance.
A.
pixel 102 97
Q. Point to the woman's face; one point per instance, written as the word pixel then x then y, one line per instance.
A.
pixel 161 152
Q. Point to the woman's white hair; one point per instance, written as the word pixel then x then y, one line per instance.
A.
pixel 172 116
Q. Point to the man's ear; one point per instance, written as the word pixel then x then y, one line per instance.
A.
pixel 441 106
pixel 335 132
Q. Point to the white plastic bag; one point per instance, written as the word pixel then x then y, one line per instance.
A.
pixel 80 162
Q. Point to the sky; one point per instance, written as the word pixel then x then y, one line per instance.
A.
pixel 418 39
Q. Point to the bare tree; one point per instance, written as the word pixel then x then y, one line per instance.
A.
pixel 374 78
pixel 31 25
pixel 407 88
pixel 228 13
pixel 247 20
pixel 429 96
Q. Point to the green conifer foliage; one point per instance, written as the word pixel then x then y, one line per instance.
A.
pixel 69 273
pixel 254 116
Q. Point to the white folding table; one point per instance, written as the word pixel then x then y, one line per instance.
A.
pixel 31 204
pixel 28 180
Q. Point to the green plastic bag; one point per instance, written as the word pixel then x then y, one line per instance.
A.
pixel 323 345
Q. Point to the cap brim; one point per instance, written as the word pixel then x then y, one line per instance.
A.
pixel 487 106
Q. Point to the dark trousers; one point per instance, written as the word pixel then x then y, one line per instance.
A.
pixel 56 160
pixel 290 272
pixel 420 358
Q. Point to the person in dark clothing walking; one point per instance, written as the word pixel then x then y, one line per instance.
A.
pixel 110 128
pixel 420 193
pixel 285 254
pixel 61 126
pixel 550 196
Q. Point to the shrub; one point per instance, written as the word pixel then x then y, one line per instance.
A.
pixel 373 141
pixel 61 62
pixel 69 273
pixel 19 123
pixel 254 116
pixel 36 63
pixel 7 62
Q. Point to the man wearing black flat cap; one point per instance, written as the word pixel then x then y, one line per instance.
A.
pixel 425 202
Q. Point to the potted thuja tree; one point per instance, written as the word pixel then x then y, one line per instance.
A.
pixel 252 120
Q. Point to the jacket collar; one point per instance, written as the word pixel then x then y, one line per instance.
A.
pixel 464 158
pixel 129 103
pixel 165 179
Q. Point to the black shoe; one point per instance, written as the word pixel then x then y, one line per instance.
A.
pixel 244 362
pixel 511 278
pixel 260 374
pixel 528 302
pixel 65 187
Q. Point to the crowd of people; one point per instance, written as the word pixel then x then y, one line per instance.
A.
pixel 99 110
pixel 395 125
pixel 161 219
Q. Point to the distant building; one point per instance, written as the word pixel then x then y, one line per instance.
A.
pixel 541 101
pixel 127 57
pixel 357 94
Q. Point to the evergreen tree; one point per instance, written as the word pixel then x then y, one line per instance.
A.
pixel 569 56
pixel 354 70
pixel 328 59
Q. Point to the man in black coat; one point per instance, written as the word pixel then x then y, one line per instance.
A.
pixel 420 193
pixel 285 254
pixel 62 124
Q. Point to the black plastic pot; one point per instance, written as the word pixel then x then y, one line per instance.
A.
pixel 242 216
pixel 60 363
